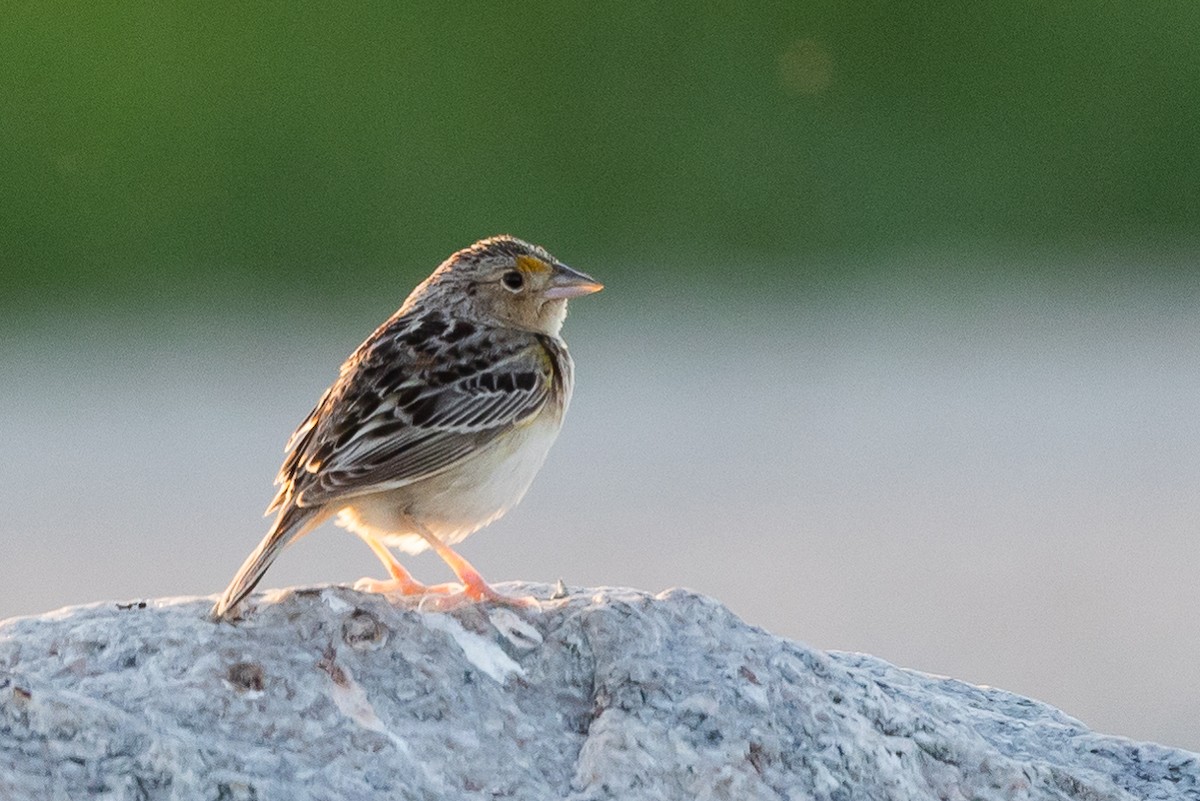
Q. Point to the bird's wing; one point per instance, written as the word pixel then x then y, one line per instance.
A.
pixel 414 400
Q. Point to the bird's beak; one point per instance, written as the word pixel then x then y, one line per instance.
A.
pixel 568 283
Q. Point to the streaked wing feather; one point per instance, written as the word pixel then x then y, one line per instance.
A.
pixel 388 466
pixel 397 414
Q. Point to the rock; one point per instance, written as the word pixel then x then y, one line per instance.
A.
pixel 327 693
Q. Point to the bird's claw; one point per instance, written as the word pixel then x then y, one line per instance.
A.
pixel 398 587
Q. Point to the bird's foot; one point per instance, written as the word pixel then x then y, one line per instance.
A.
pixel 475 594
pixel 405 587
pixel 484 592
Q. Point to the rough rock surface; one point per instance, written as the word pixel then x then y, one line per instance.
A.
pixel 603 694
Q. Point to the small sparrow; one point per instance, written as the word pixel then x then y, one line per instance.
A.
pixel 437 423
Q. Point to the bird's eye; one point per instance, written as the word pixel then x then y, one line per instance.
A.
pixel 513 281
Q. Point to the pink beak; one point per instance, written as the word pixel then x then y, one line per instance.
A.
pixel 568 283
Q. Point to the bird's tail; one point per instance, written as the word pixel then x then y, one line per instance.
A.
pixel 292 523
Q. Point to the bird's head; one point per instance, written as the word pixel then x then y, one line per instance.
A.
pixel 508 281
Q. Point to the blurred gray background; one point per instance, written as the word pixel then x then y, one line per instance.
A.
pixel 900 350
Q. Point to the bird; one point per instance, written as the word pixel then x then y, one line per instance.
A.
pixel 437 423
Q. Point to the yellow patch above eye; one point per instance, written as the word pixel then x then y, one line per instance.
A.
pixel 531 264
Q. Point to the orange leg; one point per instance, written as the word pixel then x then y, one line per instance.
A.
pixel 474 587
pixel 402 581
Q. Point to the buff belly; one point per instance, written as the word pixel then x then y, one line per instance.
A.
pixel 462 500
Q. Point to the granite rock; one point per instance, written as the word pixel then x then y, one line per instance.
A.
pixel 327 693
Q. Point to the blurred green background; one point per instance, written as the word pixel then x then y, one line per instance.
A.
pixel 899 351
pixel 153 150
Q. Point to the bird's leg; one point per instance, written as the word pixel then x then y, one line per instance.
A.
pixel 474 587
pixel 402 581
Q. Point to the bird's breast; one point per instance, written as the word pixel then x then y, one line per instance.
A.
pixel 464 499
